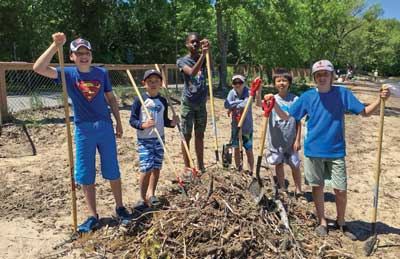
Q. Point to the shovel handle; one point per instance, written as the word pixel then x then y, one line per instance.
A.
pixel 246 108
pixel 261 149
pixel 378 164
pixel 210 88
pixel 69 139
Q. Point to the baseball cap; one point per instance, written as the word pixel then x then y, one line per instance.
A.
pixel 322 65
pixel 151 72
pixel 77 43
pixel 240 77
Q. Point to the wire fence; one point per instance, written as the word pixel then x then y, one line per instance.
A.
pixel 22 90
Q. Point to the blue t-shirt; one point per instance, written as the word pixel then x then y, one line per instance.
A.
pixel 195 87
pixel 325 125
pixel 157 106
pixel 86 91
pixel 236 104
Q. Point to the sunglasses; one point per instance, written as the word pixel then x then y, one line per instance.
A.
pixel 81 54
pixel 237 82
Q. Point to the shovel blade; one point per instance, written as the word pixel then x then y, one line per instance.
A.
pixel 370 245
pixel 256 190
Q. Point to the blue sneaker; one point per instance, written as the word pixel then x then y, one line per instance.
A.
pixel 123 215
pixel 90 224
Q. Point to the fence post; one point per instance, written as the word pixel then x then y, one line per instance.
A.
pixel 3 96
pixel 164 67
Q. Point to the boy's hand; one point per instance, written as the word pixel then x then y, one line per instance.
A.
pixel 148 124
pixel 255 85
pixel 59 39
pixel 268 104
pixel 205 45
pixel 385 92
pixel 296 146
pixel 118 130
pixel 175 121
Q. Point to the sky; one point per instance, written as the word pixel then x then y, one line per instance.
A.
pixel 391 8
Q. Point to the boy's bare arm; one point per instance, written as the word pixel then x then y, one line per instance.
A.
pixel 369 109
pixel 258 96
pixel 297 141
pixel 41 65
pixel 112 101
pixel 281 113
pixel 192 71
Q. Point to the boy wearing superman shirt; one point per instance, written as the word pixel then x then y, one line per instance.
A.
pixel 90 91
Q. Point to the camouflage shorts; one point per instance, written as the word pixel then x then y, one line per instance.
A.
pixel 193 115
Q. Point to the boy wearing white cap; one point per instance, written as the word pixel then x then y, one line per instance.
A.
pixel 90 91
pixel 235 103
pixel 324 143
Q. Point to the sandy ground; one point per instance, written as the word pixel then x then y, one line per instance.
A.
pixel 35 209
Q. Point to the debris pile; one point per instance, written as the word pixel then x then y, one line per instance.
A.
pixel 224 222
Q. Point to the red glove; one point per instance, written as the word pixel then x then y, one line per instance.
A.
pixel 268 104
pixel 255 85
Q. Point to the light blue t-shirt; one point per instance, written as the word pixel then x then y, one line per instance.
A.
pixel 282 133
pixel 325 137
pixel 86 91
pixel 237 103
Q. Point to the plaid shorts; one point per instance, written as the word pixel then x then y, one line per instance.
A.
pixel 151 154
pixel 193 115
pixel 330 172
pixel 247 140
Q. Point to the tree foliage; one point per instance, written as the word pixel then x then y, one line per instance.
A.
pixel 270 33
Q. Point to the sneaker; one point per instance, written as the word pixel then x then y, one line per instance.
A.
pixel 321 231
pixel 154 201
pixel 346 231
pixel 123 215
pixel 89 225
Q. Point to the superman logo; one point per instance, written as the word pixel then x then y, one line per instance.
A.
pixel 89 89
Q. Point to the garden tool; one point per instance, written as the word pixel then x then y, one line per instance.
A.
pixel 183 140
pixel 69 138
pixel 256 186
pixel 370 243
pixel 226 155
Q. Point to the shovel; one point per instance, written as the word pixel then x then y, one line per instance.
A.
pixel 255 85
pixel 370 243
pixel 69 140
pixel 183 140
pixel 256 186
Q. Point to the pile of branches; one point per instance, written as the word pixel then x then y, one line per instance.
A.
pixel 224 222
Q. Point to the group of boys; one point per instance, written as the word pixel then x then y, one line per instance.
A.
pixel 90 90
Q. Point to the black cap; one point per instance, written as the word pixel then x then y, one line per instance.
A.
pixel 151 72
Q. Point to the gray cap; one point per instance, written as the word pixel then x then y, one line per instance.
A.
pixel 151 72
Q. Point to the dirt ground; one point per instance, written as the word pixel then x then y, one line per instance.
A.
pixel 35 209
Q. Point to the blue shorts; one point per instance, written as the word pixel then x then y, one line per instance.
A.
pixel 247 140
pixel 90 136
pixel 151 154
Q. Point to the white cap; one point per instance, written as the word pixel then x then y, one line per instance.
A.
pixel 240 77
pixel 322 65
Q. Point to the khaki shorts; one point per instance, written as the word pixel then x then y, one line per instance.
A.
pixel 193 115
pixel 325 171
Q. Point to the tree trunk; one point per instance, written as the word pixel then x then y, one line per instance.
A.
pixel 223 31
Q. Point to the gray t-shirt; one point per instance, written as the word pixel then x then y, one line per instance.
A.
pixel 282 133
pixel 236 104
pixel 195 87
